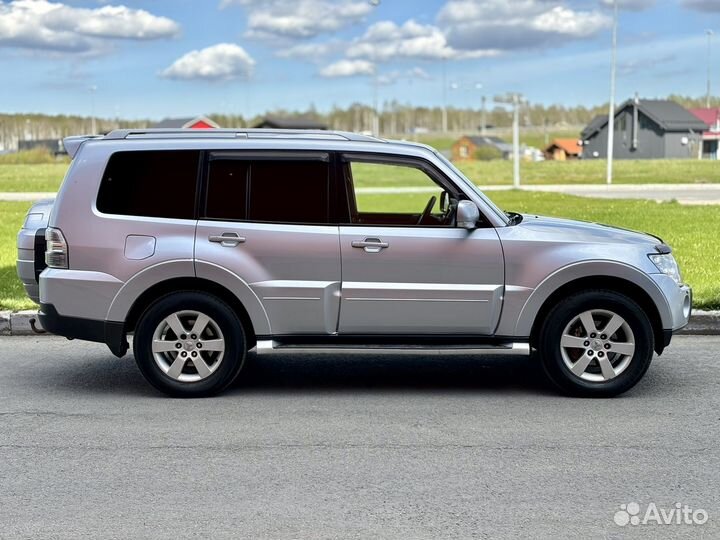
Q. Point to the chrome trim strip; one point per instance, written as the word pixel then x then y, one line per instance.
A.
pixel 270 347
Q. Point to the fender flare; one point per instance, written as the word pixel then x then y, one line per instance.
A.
pixel 589 269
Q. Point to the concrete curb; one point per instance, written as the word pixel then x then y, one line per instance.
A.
pixel 19 323
pixel 702 323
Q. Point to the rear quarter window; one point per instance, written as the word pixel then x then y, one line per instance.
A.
pixel 154 183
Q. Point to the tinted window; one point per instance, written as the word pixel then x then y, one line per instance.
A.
pixel 282 191
pixel 150 183
pixel 227 189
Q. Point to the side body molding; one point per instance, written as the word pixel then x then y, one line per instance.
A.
pixel 526 317
pixel 236 285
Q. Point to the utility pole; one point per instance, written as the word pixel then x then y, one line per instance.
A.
pixel 516 141
pixel 611 112
pixel 516 100
pixel 483 117
pixel 93 125
pixel 710 35
pixel 444 96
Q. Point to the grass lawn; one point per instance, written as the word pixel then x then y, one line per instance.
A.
pixel 12 294
pixel 47 177
pixel 691 230
pixel 36 177
pixel 593 172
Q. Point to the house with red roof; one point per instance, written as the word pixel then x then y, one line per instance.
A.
pixel 711 137
pixel 197 122
pixel 563 150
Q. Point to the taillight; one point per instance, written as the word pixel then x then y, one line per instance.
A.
pixel 56 250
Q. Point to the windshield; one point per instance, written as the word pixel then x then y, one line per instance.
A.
pixel 473 187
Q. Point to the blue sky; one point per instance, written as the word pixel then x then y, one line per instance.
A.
pixel 184 57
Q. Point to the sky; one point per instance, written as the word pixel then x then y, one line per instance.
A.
pixel 164 58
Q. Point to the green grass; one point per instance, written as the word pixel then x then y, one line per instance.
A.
pixel 593 172
pixel 32 157
pixel 28 178
pixel 48 176
pixel 692 231
pixel 553 172
pixel 12 294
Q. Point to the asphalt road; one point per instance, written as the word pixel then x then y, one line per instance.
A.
pixel 353 447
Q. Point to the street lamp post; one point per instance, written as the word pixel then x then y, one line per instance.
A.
pixel 93 125
pixel 611 111
pixel 516 100
pixel 444 96
pixel 710 35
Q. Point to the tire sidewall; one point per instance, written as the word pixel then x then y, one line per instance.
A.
pixel 570 308
pixel 224 317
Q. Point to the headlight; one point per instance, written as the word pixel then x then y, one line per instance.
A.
pixel 667 264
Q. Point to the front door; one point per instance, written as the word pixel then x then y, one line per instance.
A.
pixel 406 267
pixel 265 218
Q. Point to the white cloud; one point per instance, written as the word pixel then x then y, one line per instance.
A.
pixel 392 77
pixel 223 61
pixel 310 51
pixel 630 5
pixel 299 19
pixel 348 68
pixel 708 6
pixel 521 24
pixel 386 40
pixel 39 24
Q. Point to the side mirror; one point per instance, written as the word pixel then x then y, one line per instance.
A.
pixel 467 215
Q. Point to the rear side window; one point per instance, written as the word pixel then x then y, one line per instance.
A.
pixel 157 183
pixel 279 191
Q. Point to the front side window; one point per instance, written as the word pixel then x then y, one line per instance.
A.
pixel 157 183
pixel 418 200
pixel 267 190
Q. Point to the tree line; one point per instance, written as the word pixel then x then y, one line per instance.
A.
pixel 394 119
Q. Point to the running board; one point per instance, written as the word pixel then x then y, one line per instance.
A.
pixel 267 347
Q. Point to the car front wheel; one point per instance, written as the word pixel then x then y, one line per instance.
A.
pixel 596 344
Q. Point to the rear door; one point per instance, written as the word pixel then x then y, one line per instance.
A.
pixel 407 269
pixel 266 218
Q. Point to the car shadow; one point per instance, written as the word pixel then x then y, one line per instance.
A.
pixel 302 373
pixel 388 373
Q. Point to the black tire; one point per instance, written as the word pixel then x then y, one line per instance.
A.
pixel 225 319
pixel 564 313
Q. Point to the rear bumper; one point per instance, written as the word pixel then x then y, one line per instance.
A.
pixel 31 260
pixel 109 332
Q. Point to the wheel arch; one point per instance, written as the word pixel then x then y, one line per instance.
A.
pixel 612 283
pixel 190 284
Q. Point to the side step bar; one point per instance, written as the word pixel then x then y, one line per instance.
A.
pixel 267 347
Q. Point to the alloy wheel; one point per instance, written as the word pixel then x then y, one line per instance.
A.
pixel 188 346
pixel 597 345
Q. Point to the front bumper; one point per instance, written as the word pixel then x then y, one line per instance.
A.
pixel 109 332
pixel 679 302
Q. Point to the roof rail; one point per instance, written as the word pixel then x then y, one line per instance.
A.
pixel 248 133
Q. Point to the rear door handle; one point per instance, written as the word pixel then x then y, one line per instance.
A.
pixel 370 245
pixel 227 239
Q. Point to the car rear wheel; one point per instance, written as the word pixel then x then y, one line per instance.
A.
pixel 596 344
pixel 189 344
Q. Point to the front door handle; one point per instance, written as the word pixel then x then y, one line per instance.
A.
pixel 370 245
pixel 227 239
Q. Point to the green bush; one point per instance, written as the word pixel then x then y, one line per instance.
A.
pixel 488 153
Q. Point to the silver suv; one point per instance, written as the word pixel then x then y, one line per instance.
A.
pixel 204 245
